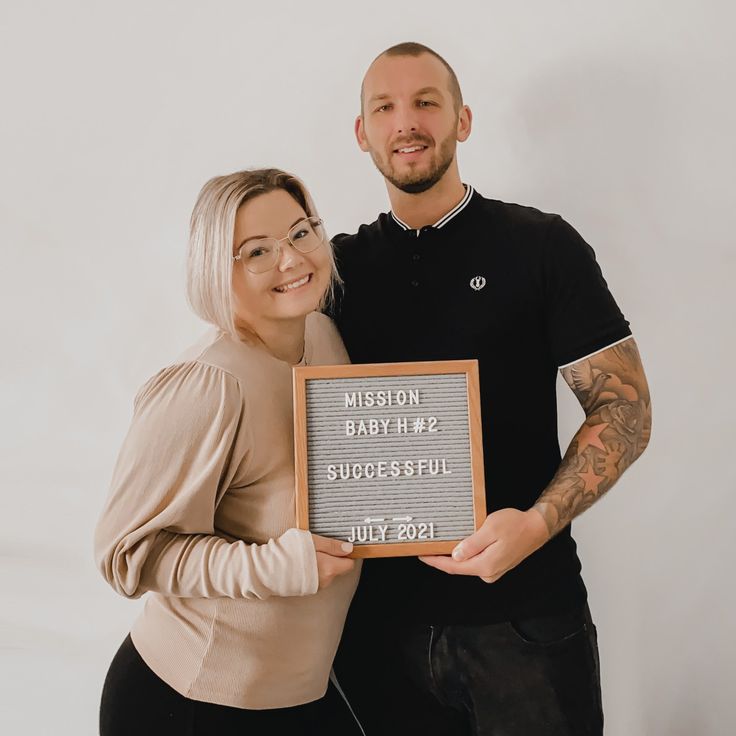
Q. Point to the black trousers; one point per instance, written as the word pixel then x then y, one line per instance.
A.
pixel 136 702
pixel 529 677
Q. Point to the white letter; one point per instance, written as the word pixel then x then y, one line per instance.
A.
pixel 349 427
pixel 331 473
pixel 350 400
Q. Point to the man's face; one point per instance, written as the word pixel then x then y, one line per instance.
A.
pixel 409 123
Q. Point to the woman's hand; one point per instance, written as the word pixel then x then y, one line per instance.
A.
pixel 332 559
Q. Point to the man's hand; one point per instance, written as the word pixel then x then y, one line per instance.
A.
pixel 506 538
pixel 331 558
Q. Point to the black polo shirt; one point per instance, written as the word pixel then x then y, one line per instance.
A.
pixel 520 291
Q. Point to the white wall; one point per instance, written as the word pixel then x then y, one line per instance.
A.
pixel 620 116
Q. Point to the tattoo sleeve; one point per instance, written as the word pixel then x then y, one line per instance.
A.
pixel 612 389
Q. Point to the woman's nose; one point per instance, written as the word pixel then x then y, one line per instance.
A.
pixel 289 257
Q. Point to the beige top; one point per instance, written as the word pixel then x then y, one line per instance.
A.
pixel 200 515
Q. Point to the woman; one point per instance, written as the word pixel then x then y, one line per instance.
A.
pixel 244 612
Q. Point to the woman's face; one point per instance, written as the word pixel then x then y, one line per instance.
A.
pixel 260 297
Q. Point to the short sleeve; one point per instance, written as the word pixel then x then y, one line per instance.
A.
pixel 581 315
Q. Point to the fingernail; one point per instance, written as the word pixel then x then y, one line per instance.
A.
pixel 347 547
pixel 458 554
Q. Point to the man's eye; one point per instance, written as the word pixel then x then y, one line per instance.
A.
pixel 383 108
pixel 425 103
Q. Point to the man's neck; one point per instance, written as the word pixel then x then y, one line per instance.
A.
pixel 418 210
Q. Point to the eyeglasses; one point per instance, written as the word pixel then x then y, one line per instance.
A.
pixel 259 255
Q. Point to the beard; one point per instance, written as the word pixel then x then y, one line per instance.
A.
pixel 416 182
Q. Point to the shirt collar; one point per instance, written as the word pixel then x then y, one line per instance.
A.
pixel 459 207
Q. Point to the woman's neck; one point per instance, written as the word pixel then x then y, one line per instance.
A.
pixel 284 339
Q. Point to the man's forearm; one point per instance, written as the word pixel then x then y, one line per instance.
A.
pixel 613 391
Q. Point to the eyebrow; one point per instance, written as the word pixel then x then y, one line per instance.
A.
pixel 374 98
pixel 426 90
pixel 263 237
pixel 422 91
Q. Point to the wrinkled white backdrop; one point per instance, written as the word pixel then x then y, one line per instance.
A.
pixel 620 116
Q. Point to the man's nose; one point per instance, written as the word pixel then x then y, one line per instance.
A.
pixel 407 127
pixel 406 120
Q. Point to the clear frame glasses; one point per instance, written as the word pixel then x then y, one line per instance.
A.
pixel 259 255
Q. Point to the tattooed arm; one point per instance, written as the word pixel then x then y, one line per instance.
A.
pixel 613 392
pixel 612 389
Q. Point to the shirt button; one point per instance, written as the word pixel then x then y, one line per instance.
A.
pixel 415 257
pixel 415 283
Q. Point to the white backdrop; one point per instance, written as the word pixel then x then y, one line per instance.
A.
pixel 620 116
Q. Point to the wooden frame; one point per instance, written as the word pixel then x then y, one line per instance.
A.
pixel 302 374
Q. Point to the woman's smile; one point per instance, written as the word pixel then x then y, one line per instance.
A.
pixel 294 285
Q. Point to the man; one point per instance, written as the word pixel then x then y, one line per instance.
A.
pixel 497 638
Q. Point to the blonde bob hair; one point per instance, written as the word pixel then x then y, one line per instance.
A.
pixel 212 226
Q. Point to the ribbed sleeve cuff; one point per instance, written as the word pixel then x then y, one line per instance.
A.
pixel 289 564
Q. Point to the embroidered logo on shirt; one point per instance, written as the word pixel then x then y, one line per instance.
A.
pixel 477 282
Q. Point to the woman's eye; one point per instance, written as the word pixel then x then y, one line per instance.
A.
pixel 256 252
pixel 299 234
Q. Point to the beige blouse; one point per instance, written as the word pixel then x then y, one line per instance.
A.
pixel 200 516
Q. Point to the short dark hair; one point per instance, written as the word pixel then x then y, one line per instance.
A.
pixel 411 48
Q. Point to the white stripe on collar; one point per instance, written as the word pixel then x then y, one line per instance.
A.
pixel 446 217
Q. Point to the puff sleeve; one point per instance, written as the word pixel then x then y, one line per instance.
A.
pixel 156 531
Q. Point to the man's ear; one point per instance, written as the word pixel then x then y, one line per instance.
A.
pixel 464 123
pixel 360 133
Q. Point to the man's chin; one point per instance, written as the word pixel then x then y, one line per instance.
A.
pixel 414 184
pixel 418 183
pixel 414 187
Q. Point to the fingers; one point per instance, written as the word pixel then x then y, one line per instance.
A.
pixel 332 560
pixel 476 542
pixel 481 566
pixel 334 547
pixel 330 567
pixel 446 564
